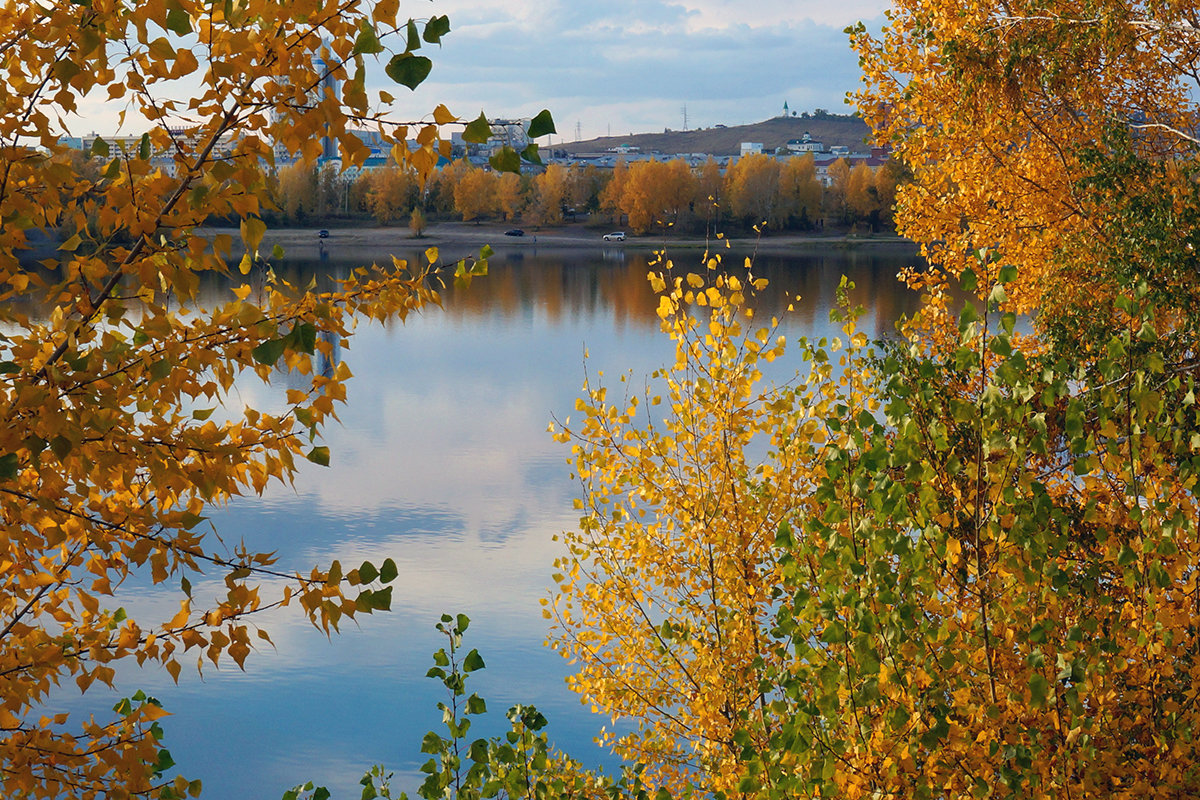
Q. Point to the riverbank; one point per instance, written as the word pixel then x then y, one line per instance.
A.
pixel 458 239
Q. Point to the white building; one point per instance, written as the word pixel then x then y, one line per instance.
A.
pixel 806 144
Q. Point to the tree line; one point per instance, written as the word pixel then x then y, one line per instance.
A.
pixel 756 190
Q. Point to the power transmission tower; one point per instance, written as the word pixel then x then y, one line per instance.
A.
pixel 578 130
pixel 685 127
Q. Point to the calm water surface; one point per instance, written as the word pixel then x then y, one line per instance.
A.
pixel 443 463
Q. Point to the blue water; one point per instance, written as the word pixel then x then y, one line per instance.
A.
pixel 442 463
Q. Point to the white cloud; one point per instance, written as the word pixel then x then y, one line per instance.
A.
pixel 719 14
pixel 626 66
pixel 631 67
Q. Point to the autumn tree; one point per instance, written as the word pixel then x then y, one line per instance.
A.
pixel 391 193
pixel 297 191
pixel 900 572
pixel 799 200
pixel 121 428
pixel 549 193
pixel 836 192
pixel 440 185
pixel 862 198
pixel 709 193
pixel 475 194
pixel 585 187
pixel 1015 116
pixel 667 593
pixel 655 193
pixel 752 188
pixel 510 195
pixel 416 222
pixel 614 190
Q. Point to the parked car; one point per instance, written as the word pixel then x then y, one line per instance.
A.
pixel 514 232
pixel 615 236
pixel 324 234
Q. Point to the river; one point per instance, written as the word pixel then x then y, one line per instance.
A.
pixel 442 462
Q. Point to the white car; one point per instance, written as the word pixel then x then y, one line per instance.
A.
pixel 615 236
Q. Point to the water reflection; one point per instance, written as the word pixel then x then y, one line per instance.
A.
pixel 442 463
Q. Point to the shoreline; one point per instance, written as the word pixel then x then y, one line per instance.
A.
pixel 371 241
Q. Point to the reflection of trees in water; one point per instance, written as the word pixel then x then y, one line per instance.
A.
pixel 572 286
pixel 567 288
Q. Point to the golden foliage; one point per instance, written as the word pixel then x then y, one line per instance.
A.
pixel 665 599
pixel 995 107
pixel 120 428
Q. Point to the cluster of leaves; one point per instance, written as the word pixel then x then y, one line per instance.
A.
pixel 518 765
pixel 966 573
pixel 997 596
pixel 666 596
pixel 999 108
pixel 116 383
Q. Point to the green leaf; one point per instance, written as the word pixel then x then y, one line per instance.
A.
pixel 160 369
pixel 382 599
pixel 367 572
pixel 388 571
pixel 113 169
pixel 968 280
pixel 99 147
pixel 541 125
pixel 478 131
pixel 277 252
pixel 303 338
pixel 367 41
pixel 269 352
pixel 1000 345
pixel 8 466
pixel 834 633
pixel 144 147
pixel 61 446
pixel 506 160
pixel 1039 688
pixel 178 21
pixel 530 154
pixel 1008 274
pixel 409 70
pixel 7 367
pixel 65 69
pixel 320 793
pixel 436 28
pixel 412 37
pixel 71 244
pixel 165 762
pixel 319 455
pixel 472 662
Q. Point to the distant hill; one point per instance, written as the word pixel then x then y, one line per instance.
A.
pixel 829 129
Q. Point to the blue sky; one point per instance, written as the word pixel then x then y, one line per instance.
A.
pixel 630 66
